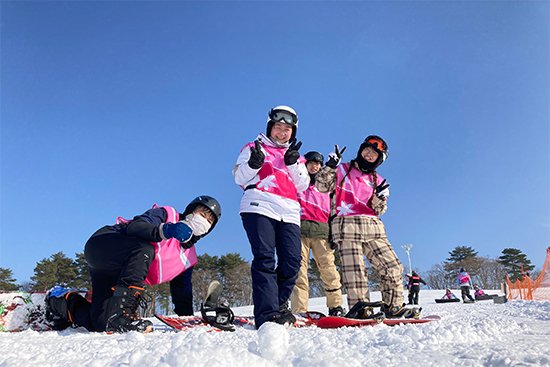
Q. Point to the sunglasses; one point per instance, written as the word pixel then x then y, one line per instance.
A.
pixel 378 144
pixel 281 115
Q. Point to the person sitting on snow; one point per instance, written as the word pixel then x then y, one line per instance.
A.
pixel 448 294
pixel 478 291
pixel 152 249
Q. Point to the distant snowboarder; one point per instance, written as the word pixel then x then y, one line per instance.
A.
pixel 414 287
pixel 465 282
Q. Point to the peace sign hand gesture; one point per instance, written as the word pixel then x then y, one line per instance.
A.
pixel 257 157
pixel 292 154
pixel 335 157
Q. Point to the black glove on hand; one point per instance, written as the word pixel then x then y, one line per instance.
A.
pixel 335 157
pixel 256 156
pixel 382 190
pixel 292 154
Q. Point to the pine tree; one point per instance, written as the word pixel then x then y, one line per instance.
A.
pixel 513 261
pixel 58 269
pixel 7 282
pixel 462 257
pixel 82 279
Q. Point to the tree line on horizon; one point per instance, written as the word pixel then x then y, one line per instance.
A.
pixel 234 274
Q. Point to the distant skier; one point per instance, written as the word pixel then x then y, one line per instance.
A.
pixel 465 282
pixel 271 173
pixel 314 229
pixel 124 256
pixel 414 287
pixel 361 196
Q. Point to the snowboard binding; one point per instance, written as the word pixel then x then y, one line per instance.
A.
pixel 215 310
pixel 365 310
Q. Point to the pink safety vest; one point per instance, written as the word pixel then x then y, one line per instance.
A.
pixel 170 258
pixel 274 176
pixel 353 195
pixel 464 279
pixel 315 205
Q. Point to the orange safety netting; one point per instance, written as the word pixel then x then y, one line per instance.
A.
pixel 528 289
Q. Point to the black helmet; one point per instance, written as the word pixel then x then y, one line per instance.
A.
pixel 379 145
pixel 284 114
pixel 210 203
pixel 314 156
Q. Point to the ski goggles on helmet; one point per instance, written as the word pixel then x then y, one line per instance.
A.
pixel 282 115
pixel 377 143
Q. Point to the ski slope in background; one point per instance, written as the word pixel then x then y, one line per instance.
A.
pixel 481 334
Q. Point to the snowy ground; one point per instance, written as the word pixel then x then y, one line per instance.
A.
pixel 481 334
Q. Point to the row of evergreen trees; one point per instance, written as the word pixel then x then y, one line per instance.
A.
pixel 234 273
pixel 485 272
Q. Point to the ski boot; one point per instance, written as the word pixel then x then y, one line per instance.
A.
pixel 336 311
pixel 365 310
pixel 397 312
pixel 122 310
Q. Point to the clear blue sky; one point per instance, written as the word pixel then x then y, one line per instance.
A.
pixel 109 107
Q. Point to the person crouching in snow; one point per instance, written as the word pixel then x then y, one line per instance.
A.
pixel 360 198
pixel 271 174
pixel 314 229
pixel 153 248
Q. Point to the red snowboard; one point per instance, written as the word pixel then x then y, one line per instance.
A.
pixel 332 322
pixel 187 322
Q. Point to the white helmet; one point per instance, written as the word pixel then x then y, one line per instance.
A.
pixel 284 114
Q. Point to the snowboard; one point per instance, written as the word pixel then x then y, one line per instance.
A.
pixel 333 322
pixel 485 297
pixel 440 300
pixel 183 323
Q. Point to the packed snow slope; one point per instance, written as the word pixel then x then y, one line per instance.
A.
pixel 481 334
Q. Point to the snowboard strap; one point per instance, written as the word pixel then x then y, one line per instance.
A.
pixel 219 316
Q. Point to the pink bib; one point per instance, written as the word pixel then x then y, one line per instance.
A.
pixel 314 205
pixel 274 176
pixel 353 195
pixel 170 258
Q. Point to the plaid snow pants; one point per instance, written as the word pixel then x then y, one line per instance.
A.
pixel 363 236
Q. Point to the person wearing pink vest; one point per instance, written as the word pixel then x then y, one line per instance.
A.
pixel 360 197
pixel 152 248
pixel 271 173
pixel 314 230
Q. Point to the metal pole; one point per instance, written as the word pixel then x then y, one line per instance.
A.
pixel 407 247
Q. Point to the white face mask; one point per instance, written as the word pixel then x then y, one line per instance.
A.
pixel 199 224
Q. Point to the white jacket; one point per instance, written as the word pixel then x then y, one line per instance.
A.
pixel 271 205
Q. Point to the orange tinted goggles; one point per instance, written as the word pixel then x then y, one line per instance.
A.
pixel 379 144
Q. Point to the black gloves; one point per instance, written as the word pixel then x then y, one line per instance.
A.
pixel 292 154
pixel 335 157
pixel 382 190
pixel 256 156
